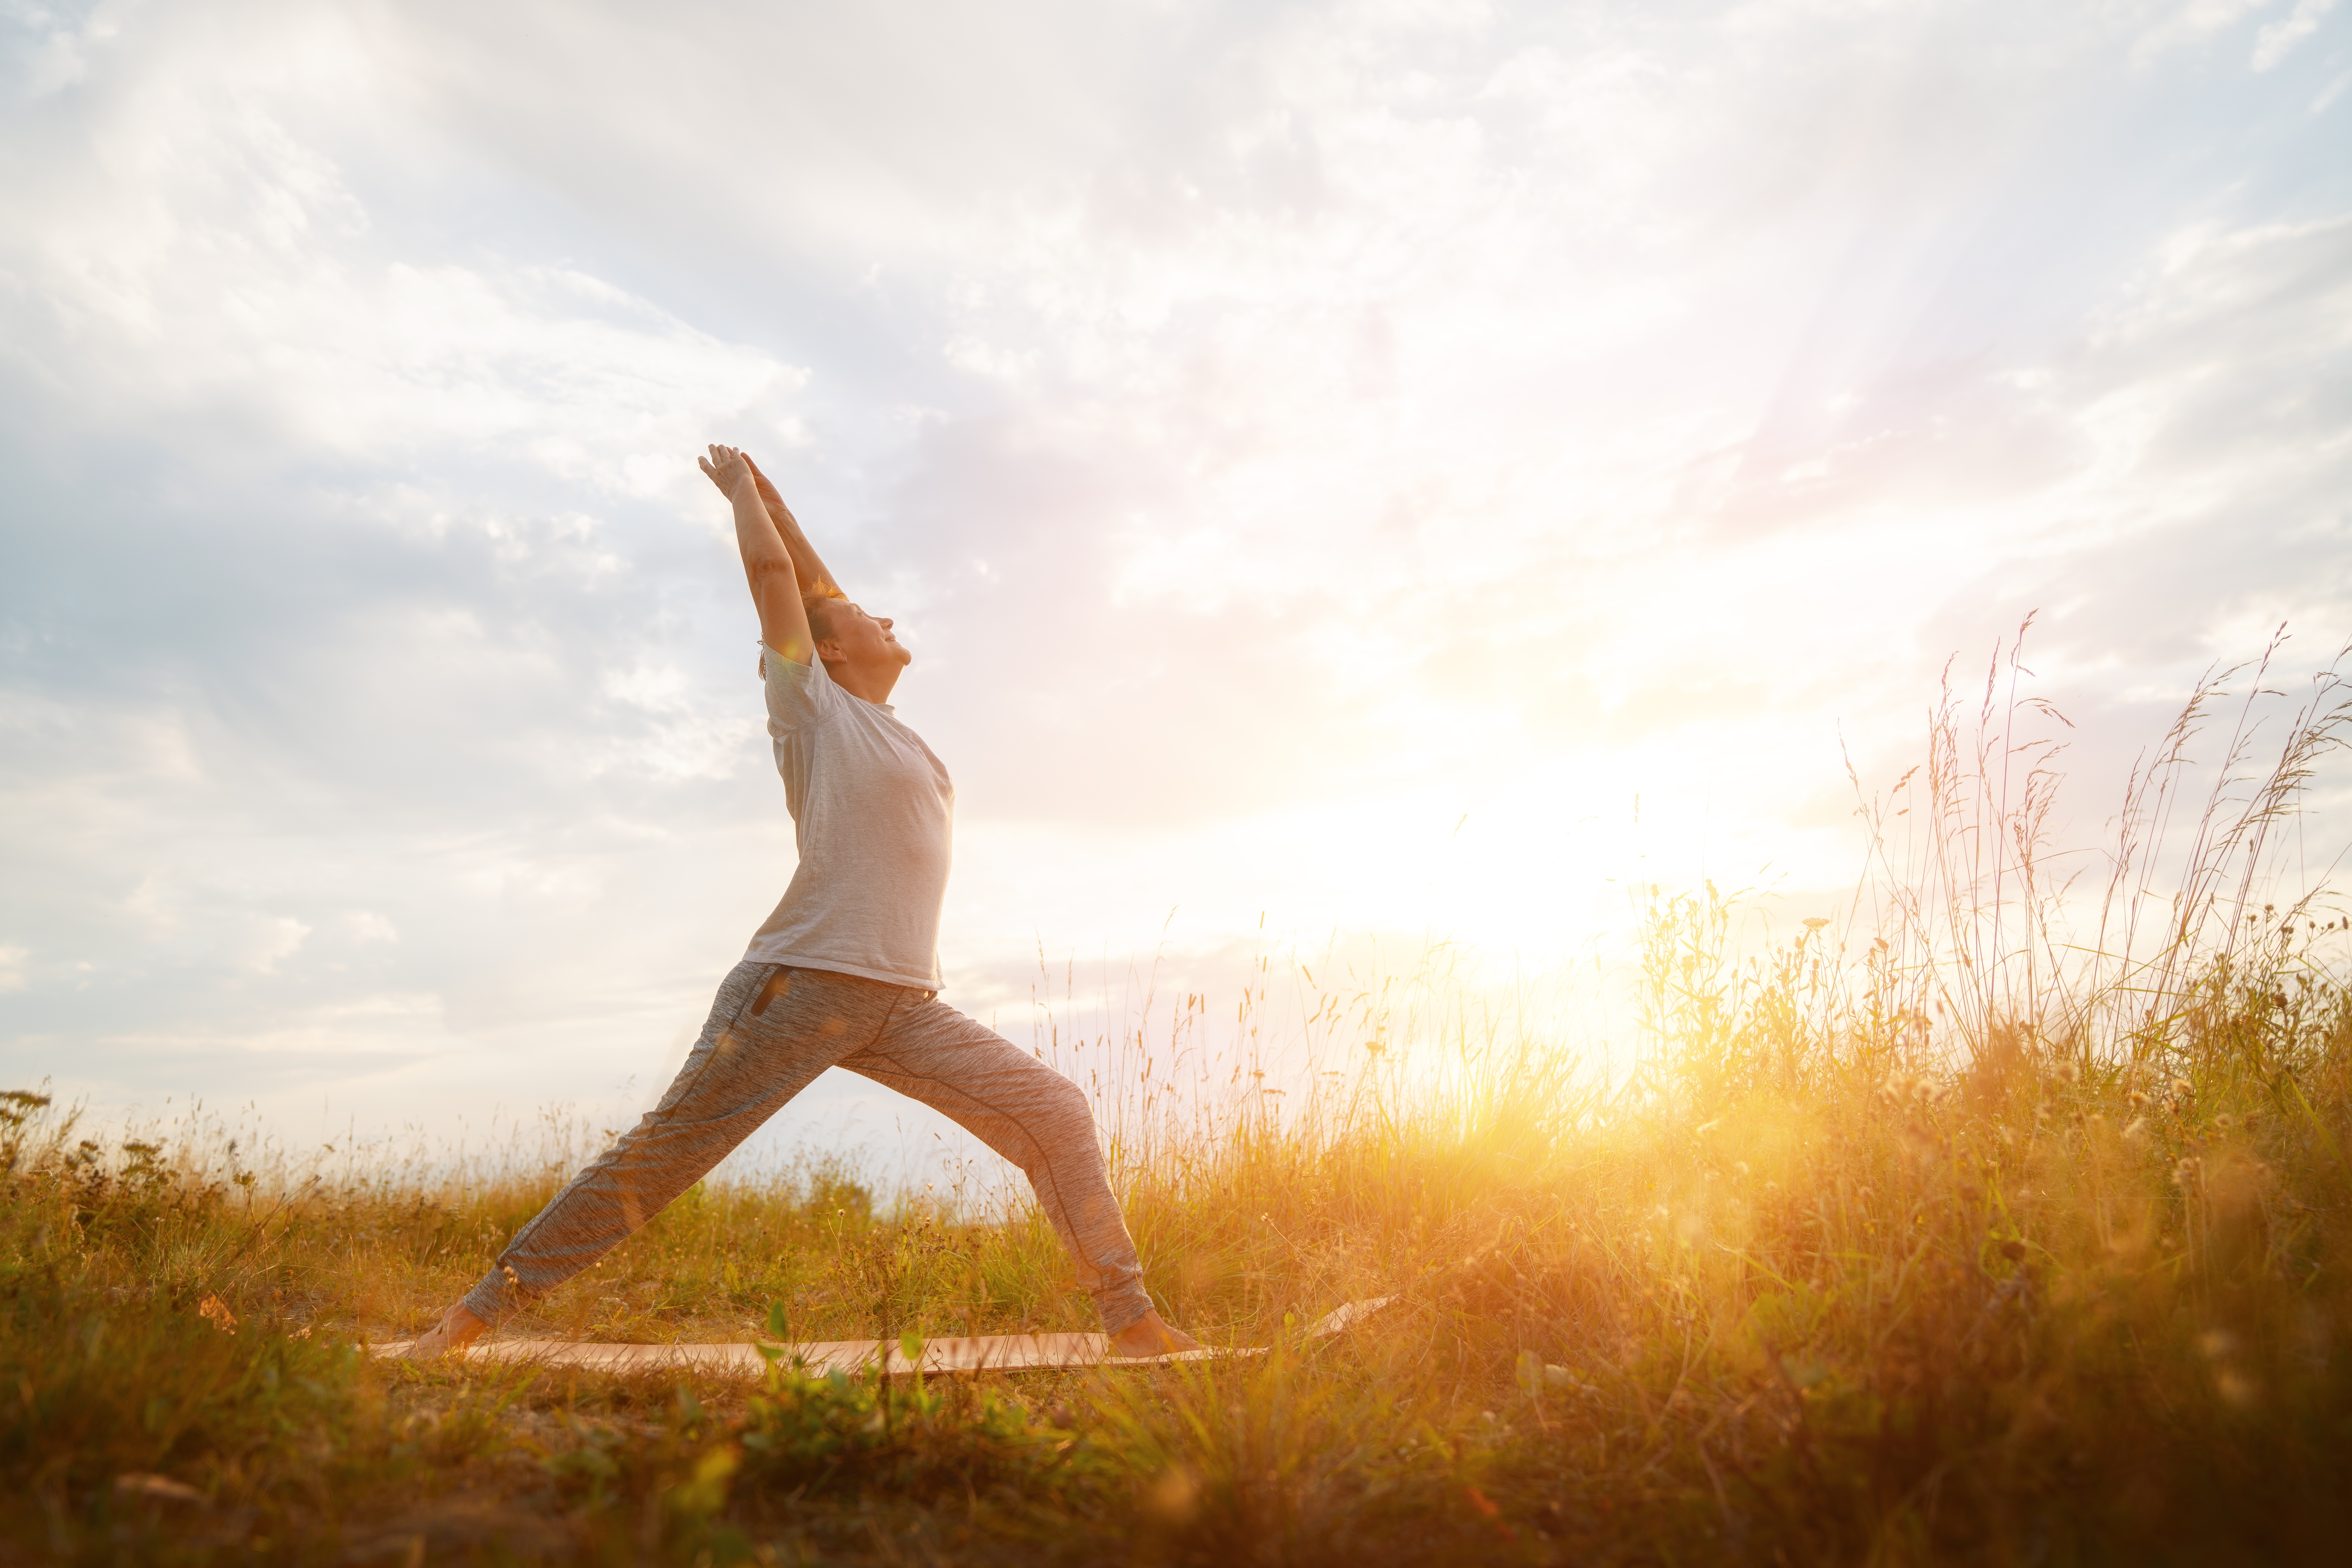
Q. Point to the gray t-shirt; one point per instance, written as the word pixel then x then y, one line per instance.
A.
pixel 873 813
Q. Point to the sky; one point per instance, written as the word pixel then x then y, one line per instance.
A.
pixel 1351 475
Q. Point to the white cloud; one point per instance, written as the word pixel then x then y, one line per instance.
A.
pixel 205 252
pixel 366 925
pixel 52 53
pixel 2279 39
pixel 1279 433
pixel 278 940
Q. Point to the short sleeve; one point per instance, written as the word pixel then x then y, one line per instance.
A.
pixel 800 696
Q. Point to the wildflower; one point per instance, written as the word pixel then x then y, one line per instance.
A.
pixel 2139 1102
pixel 2183 1088
pixel 2184 1174
pixel 2137 1130
pixel 2068 1073
pixel 2222 1124
pixel 214 1311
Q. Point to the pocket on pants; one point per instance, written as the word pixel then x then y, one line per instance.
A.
pixel 706 1049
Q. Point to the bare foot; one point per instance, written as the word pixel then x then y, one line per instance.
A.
pixel 457 1329
pixel 1150 1336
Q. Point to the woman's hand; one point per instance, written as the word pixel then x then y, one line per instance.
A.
pixel 727 468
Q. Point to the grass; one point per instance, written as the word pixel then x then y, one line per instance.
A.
pixel 1944 1238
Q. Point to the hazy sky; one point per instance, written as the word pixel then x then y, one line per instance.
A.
pixel 1329 461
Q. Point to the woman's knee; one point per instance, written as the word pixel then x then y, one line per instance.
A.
pixel 1062 1110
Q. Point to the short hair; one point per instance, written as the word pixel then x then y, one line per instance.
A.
pixel 819 609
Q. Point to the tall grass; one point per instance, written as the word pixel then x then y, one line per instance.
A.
pixel 2002 1221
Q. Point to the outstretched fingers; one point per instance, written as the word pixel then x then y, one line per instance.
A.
pixel 725 465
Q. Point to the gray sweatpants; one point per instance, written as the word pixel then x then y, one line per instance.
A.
pixel 774 1029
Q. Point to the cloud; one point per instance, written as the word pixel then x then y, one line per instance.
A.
pixel 234 293
pixel 277 939
pixel 2279 38
pixel 1284 434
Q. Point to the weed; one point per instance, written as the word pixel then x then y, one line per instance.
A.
pixel 1942 1234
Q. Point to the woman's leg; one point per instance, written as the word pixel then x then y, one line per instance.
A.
pixel 1030 1114
pixel 771 1032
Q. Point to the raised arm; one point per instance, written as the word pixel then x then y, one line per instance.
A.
pixel 814 579
pixel 768 564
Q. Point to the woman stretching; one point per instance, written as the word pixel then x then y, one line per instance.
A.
pixel 845 973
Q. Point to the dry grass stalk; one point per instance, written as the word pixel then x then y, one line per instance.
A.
pixel 1948 1237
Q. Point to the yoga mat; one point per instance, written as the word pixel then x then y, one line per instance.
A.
pixel 981 1352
